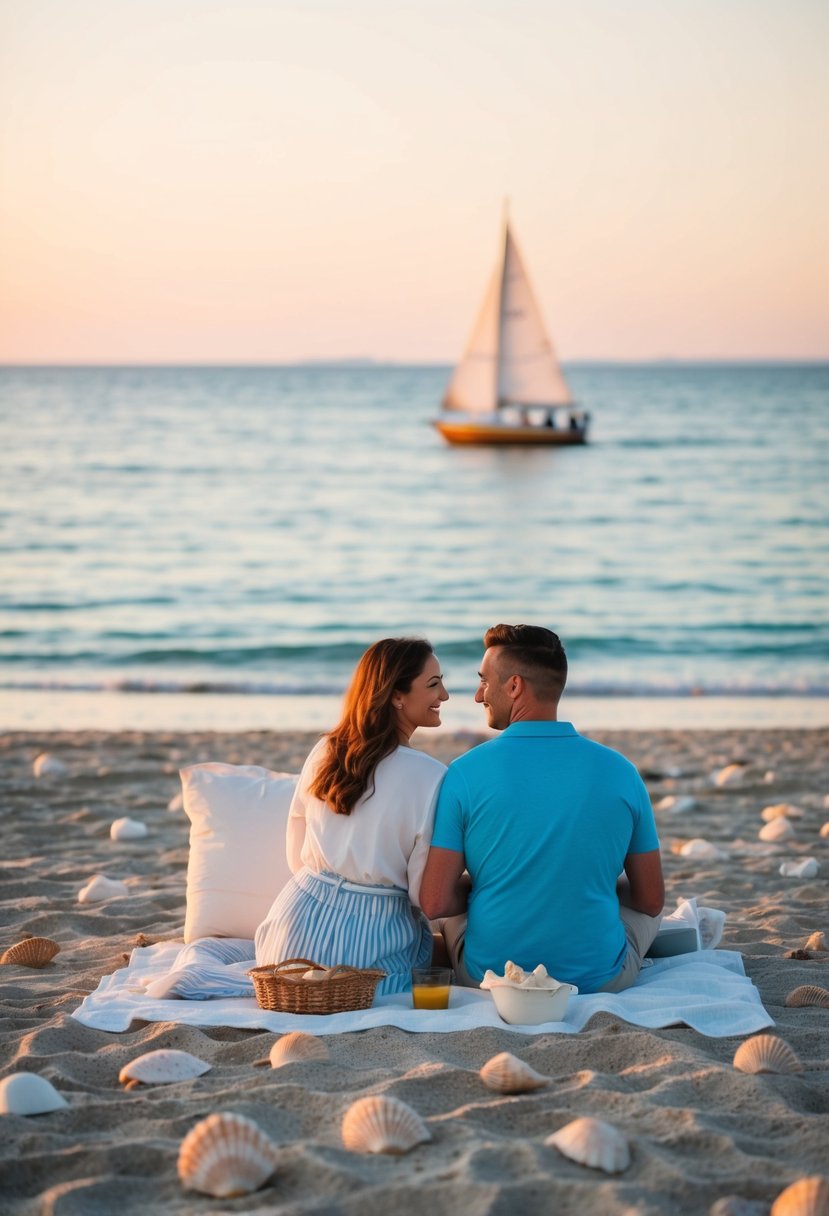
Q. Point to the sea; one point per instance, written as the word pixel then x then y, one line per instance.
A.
pixel 213 547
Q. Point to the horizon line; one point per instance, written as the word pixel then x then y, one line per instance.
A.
pixel 356 362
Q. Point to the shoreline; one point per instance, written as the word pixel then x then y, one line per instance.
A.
pixel 701 1131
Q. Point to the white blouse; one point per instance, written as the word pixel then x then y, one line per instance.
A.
pixel 385 840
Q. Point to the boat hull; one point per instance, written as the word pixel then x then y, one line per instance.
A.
pixel 503 435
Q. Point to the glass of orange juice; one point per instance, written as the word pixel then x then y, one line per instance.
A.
pixel 430 987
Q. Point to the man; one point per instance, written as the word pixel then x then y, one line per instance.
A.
pixel 533 830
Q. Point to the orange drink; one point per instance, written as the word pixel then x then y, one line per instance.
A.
pixel 430 987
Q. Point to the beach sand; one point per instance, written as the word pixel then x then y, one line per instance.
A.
pixel 700 1130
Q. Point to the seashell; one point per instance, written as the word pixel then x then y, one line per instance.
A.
pixel 807 867
pixel 31 952
pixel 506 1074
pixel 49 766
pixel 176 803
pixel 25 1093
pixel 378 1124
pixel 766 1053
pixel 824 831
pixel 735 1205
pixel 806 1197
pixel 702 849
pixel 776 830
pixel 768 777
pixel 780 810
pixel 127 829
pixel 593 1143
pixel 162 1067
pixel 677 806
pixel 296 1047
pixel 729 774
pixel 226 1155
pixel 816 941
pixel 808 994
pixel 100 888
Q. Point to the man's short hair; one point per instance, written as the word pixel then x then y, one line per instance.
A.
pixel 533 652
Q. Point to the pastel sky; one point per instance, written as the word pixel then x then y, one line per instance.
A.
pixel 276 180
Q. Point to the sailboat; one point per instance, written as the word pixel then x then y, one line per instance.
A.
pixel 508 387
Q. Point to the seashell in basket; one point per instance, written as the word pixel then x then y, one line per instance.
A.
pixel 806 1197
pixel 162 1067
pixel 295 1048
pixel 226 1155
pixel 593 1143
pixel 378 1124
pixel 31 952
pixel 808 994
pixel 766 1053
pixel 506 1074
pixel 25 1093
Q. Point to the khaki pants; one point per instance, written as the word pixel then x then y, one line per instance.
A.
pixel 640 930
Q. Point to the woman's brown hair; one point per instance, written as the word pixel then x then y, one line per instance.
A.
pixel 367 731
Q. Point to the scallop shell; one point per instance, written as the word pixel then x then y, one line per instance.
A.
pixel 780 810
pixel 806 1197
pixel 162 1067
pixel 729 774
pixel 506 1074
pixel 378 1124
pixel 296 1047
pixel 776 829
pixel 816 941
pixel 766 1053
pixel 100 888
pixel 31 952
pixel 49 766
pixel 808 994
pixel 702 849
pixel 226 1155
pixel 127 829
pixel 807 867
pixel 593 1143
pixel 25 1093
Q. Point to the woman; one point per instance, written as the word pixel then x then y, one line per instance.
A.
pixel 360 825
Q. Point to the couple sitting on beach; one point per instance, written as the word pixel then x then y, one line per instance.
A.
pixel 537 846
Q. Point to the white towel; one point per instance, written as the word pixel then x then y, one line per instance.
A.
pixel 707 990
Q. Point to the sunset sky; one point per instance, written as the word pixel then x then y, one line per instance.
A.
pixel 241 181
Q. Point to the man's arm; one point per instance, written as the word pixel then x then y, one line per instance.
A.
pixel 444 888
pixel 642 886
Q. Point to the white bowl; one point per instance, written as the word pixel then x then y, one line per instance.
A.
pixel 531 1006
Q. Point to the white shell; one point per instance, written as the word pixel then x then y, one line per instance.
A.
pixel 100 888
pixel 49 766
pixel 702 849
pixel 25 1093
pixel 729 774
pixel 506 1074
pixel 780 810
pixel 163 1067
pixel 816 941
pixel 593 1143
pixel 677 806
pixel 176 803
pixel 776 830
pixel 378 1124
pixel 766 1053
pixel 806 868
pixel 127 829
pixel 808 994
pixel 226 1155
pixel 31 952
pixel 806 1197
pixel 297 1046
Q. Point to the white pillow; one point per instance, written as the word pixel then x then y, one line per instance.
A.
pixel 238 816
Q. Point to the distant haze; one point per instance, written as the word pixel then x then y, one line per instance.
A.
pixel 207 180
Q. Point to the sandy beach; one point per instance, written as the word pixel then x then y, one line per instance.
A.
pixel 700 1131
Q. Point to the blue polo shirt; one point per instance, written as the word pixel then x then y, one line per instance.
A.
pixel 545 819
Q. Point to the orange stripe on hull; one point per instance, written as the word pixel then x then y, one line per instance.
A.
pixel 501 436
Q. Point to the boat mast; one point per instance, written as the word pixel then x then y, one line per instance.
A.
pixel 501 297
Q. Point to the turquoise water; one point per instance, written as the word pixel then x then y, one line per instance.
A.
pixel 251 530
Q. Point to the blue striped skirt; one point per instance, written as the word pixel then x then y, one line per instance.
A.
pixel 330 921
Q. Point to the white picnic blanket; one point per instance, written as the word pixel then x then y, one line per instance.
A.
pixel 707 990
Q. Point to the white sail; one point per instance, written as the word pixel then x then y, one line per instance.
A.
pixel 508 359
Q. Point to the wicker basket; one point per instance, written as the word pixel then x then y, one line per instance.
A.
pixel 283 989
